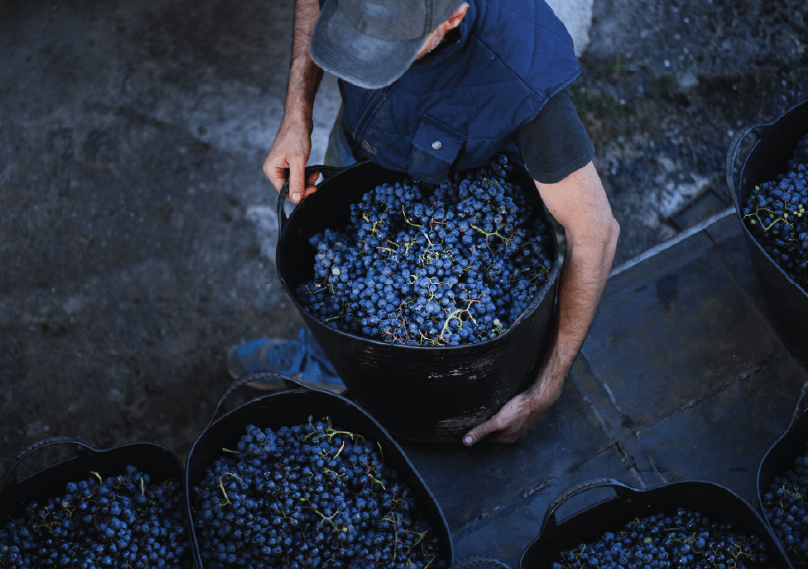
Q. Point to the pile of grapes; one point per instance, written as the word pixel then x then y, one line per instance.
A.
pixel 426 265
pixel 784 505
pixel 118 522
pixel 775 215
pixel 310 496
pixel 686 539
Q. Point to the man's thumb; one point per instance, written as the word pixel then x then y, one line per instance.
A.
pixel 479 432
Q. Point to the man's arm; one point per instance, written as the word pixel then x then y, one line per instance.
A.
pixel 292 145
pixel 579 203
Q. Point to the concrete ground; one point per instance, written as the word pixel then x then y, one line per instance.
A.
pixel 137 234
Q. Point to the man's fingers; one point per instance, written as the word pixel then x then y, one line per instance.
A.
pixel 274 171
pixel 275 175
pixel 310 187
pixel 481 431
pixel 297 166
pixel 506 437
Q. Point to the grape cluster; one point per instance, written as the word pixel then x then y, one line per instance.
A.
pixel 309 496
pixel 786 509
pixel 427 265
pixel 121 522
pixel 683 540
pixel 775 215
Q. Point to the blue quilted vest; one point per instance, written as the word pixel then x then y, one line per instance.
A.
pixel 459 106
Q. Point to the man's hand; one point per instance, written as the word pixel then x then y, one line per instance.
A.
pixel 288 156
pixel 518 417
pixel 579 203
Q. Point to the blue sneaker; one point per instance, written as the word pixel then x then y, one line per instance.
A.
pixel 302 359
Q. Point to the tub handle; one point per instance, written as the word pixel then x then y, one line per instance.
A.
pixel 801 407
pixel 622 491
pixel 326 171
pixel 732 155
pixel 11 476
pixel 479 561
pixel 291 385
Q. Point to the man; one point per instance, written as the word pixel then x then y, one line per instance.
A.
pixel 434 86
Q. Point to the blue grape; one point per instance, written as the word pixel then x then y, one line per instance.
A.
pixel 416 256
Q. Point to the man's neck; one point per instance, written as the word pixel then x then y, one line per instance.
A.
pixel 451 37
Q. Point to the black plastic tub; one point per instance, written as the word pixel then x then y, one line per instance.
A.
pixel 155 460
pixel 787 303
pixel 429 394
pixel 780 457
pixel 293 407
pixel 15 495
pixel 588 525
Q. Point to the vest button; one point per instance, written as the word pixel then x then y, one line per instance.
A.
pixel 436 145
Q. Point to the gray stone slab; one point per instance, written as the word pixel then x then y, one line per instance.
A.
pixel 731 242
pixel 599 398
pixel 723 437
pixel 728 237
pixel 506 533
pixel 675 329
pixel 705 206
pixel 470 483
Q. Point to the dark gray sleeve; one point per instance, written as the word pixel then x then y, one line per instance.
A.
pixel 555 144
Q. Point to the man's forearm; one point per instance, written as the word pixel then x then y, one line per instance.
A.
pixel 579 203
pixel 591 234
pixel 583 278
pixel 304 74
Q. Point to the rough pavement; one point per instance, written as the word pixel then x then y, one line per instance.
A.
pixel 137 235
pixel 134 206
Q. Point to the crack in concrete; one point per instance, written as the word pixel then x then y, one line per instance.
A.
pixel 525 494
pixel 625 456
pixel 611 396
pixel 693 402
pixel 600 420
pixel 656 469
pixel 625 419
pixel 632 466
